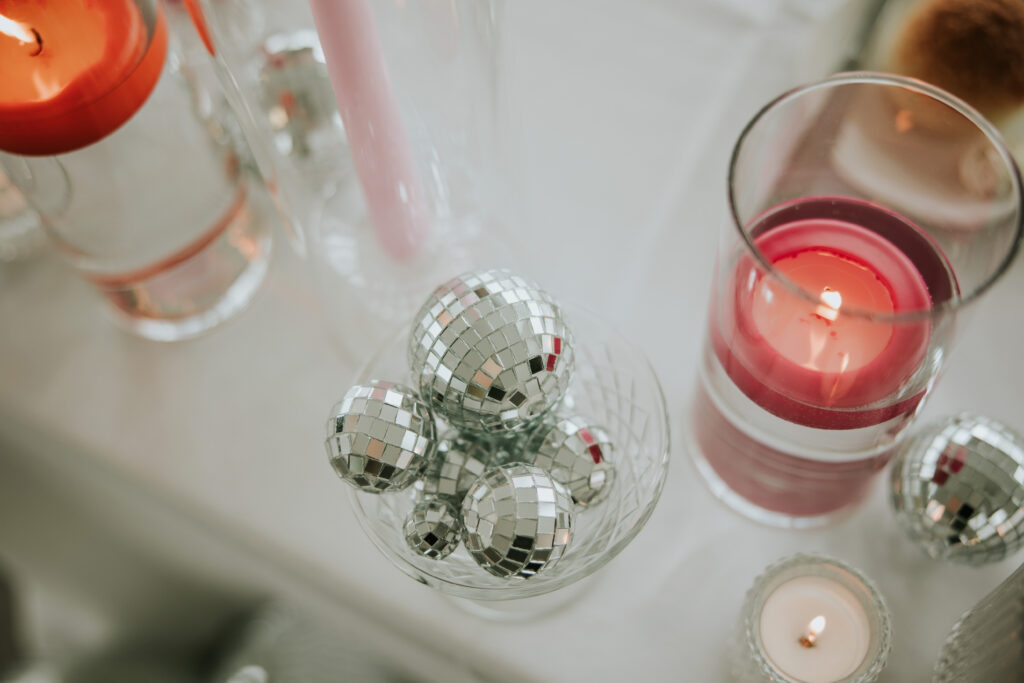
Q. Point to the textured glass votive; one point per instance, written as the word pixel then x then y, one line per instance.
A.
pixel 812 619
pixel 987 643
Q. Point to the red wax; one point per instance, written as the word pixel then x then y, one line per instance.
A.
pixel 832 345
pixel 73 70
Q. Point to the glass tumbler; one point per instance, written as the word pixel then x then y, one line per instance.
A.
pixel 858 237
pixel 100 136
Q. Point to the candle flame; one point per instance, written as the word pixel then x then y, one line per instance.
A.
pixel 814 629
pixel 831 300
pixel 22 33
pixel 17 30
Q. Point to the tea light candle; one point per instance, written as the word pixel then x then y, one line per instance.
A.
pixel 814 619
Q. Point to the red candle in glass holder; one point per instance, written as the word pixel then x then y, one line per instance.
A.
pixel 74 70
pixel 824 362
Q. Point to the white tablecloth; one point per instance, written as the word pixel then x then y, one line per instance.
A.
pixel 625 114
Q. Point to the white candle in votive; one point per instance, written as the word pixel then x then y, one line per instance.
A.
pixel 814 630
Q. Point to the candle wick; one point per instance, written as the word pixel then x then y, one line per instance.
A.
pixel 808 640
pixel 39 43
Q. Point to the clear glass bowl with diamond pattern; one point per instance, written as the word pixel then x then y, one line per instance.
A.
pixel 614 385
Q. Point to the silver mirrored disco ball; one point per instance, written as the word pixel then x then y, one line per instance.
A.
pixel 575 452
pixel 460 461
pixel 380 436
pixel 958 489
pixel 433 528
pixel 491 351
pixel 518 520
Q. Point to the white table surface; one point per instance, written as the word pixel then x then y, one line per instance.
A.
pixel 627 113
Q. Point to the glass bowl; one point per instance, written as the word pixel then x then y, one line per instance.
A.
pixel 615 386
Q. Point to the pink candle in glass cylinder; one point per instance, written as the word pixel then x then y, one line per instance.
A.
pixel 821 341
pixel 822 348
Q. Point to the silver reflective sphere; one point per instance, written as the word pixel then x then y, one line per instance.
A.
pixel 490 351
pixel 958 489
pixel 459 462
pixel 380 436
pixel 432 529
pixel 575 452
pixel 518 520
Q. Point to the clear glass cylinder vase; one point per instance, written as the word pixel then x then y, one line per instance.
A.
pixel 859 235
pixel 131 185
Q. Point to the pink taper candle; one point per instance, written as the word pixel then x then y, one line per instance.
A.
pixel 376 136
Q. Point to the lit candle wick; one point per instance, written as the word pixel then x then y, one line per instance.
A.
pixel 21 33
pixel 39 43
pixel 831 300
pixel 814 629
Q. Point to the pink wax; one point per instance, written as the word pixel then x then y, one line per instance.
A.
pixel 822 361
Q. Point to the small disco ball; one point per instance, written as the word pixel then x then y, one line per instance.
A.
pixel 432 529
pixel 575 452
pixel 518 520
pixel 380 436
pixel 459 462
pixel 958 489
pixel 491 351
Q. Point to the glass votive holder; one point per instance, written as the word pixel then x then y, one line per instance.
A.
pixel 857 239
pixel 812 619
pixel 987 643
pixel 129 183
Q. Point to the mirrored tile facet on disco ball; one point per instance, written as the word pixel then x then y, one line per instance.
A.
pixel 491 351
pixel 380 436
pixel 518 520
pixel 459 462
pixel 433 529
pixel 575 452
pixel 958 489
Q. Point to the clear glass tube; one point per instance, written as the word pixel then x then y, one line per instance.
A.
pixel 272 70
pixel 143 201
pixel 859 236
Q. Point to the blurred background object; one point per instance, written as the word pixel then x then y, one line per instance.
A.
pixel 971 48
pixel 987 644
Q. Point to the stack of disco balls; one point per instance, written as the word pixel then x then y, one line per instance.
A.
pixel 496 464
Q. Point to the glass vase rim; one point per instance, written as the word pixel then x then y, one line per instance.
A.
pixel 990 132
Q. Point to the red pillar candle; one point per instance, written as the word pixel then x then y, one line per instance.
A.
pixel 74 70
pixel 816 342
